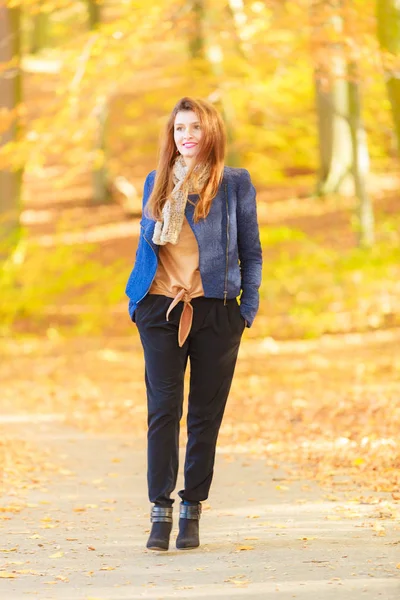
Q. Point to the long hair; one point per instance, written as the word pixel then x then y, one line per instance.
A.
pixel 211 152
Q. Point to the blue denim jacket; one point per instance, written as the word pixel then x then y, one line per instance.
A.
pixel 230 256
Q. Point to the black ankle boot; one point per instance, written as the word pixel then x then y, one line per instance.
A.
pixel 188 536
pixel 161 518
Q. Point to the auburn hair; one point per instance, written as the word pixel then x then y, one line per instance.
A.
pixel 211 152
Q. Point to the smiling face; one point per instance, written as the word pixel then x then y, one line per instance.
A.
pixel 187 134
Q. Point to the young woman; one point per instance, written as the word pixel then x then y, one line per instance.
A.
pixel 199 249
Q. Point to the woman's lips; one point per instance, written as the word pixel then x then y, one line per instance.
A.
pixel 189 145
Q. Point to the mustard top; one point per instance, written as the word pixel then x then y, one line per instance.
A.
pixel 178 276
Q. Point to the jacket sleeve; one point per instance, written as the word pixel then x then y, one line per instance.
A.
pixel 249 246
pixel 147 189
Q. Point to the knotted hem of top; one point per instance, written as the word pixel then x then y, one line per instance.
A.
pixel 186 319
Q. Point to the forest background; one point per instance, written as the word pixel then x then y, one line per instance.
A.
pixel 310 94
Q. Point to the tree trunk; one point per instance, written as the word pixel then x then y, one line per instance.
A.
pixel 209 56
pixel 332 99
pixel 196 38
pixel 360 162
pixel 335 146
pixel 360 158
pixel 38 37
pixel 388 20
pixel 224 103
pixel 10 98
pixel 100 172
pixel 94 14
pixel 238 18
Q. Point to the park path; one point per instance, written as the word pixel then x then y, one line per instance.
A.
pixel 81 535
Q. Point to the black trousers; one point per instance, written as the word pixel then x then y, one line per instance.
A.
pixel 212 347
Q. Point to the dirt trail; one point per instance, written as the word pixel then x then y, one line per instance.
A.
pixel 81 535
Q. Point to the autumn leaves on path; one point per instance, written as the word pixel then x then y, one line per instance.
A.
pixel 305 500
pixel 80 532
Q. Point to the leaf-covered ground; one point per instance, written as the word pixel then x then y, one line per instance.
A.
pixel 23 465
pixel 329 406
pixel 263 531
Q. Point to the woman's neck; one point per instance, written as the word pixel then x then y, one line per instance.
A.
pixel 188 161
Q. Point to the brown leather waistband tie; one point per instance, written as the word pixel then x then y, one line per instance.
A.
pixel 185 322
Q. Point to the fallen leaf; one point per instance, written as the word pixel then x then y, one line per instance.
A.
pixel 379 529
pixel 240 548
pixel 5 575
pixel 239 580
pixel 57 555
pixel 11 508
pixel 184 587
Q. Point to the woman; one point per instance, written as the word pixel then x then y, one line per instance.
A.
pixel 199 248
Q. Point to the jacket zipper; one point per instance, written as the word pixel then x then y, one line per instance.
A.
pixel 227 245
pixel 226 253
pixel 197 240
pixel 152 249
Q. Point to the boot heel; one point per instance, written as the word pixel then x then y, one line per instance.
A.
pixel 189 517
pixel 161 518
